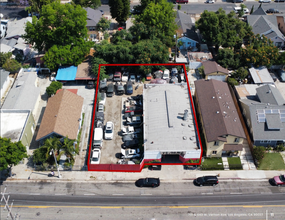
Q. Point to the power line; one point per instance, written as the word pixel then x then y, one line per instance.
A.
pixel 7 207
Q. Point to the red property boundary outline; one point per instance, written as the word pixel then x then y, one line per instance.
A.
pixel 141 166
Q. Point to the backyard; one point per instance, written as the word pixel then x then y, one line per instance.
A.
pixel 272 161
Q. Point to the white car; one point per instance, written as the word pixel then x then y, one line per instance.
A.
pixel 237 9
pixel 100 108
pixel 210 1
pixel 102 98
pixel 130 153
pixel 95 156
pixel 109 130
pixel 125 77
pixel 166 74
pixel 264 1
pixel 132 78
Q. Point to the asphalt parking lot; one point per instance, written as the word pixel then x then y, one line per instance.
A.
pixel 113 112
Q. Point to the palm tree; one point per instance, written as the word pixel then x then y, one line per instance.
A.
pixel 68 149
pixel 49 144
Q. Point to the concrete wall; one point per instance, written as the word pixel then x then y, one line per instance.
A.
pixel 28 132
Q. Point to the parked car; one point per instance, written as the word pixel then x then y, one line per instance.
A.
pixel 181 1
pixel 237 1
pixel 130 153
pixel 100 108
pixel 158 74
pixel 281 74
pixel 210 1
pixel 102 12
pixel 125 77
pixel 103 85
pixel 110 90
pixel 132 78
pixel 131 130
pixel 99 116
pixel 272 10
pixel 237 9
pixel 102 98
pixel 95 156
pixel 154 167
pixel 134 120
pixel 109 130
pixel 181 78
pixel 129 88
pixel 135 109
pixel 279 0
pixel 148 77
pixel 99 124
pixel 98 138
pixel 264 1
pixel 207 181
pixel 120 89
pixel 129 137
pixel 173 79
pixel 130 144
pixel 166 74
pixel 90 85
pixel 278 180
pixel 135 10
pixel 174 71
pixel 148 182
pixel 117 77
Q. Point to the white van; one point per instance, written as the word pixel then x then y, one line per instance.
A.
pixel 98 138
pixel 166 74
pixel 237 9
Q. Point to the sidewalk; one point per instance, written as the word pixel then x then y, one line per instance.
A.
pixel 166 174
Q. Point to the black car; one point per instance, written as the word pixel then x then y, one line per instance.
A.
pixel 129 88
pixel 110 90
pixel 103 85
pixel 129 137
pixel 272 10
pixel 148 182
pixel 206 181
pixel 120 88
pixel 237 1
pixel 133 144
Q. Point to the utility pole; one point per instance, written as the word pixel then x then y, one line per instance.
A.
pixel 7 207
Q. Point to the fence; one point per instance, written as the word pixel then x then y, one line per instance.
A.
pixel 46 167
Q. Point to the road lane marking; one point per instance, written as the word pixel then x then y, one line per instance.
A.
pixel 207 193
pixel 173 194
pixel 34 194
pixel 117 194
pixel 89 194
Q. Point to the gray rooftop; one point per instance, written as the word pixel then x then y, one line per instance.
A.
pixel 93 16
pixel 24 93
pixel 261 75
pixel 3 76
pixel 265 124
pixel 16 28
pixel 164 127
pixel 259 11
pixel 270 94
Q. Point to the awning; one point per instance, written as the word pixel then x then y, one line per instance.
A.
pixel 234 147
pixel 66 73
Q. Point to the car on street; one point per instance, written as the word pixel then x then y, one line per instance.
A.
pixel 272 10
pixel 237 1
pixel 129 88
pixel 109 130
pixel 278 180
pixel 237 9
pixel 206 181
pixel 148 182
pixel 95 156
pixel 210 1
pixel 181 1
pixel 264 1
pixel 130 153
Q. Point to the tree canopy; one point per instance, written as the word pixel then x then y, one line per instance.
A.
pixel 35 6
pixel 4 57
pixel 88 3
pixel 94 67
pixel 120 10
pixel 161 18
pixel 11 153
pixel 12 65
pixel 221 29
pixel 61 28
pixel 103 25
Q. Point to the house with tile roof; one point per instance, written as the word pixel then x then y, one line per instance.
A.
pixel 221 125
pixel 62 116
pixel 264 110
pixel 213 70
pixel 271 26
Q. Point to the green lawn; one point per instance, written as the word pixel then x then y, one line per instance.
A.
pixel 212 164
pixel 272 161
pixel 234 163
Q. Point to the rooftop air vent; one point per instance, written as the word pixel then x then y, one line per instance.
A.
pixel 184 138
pixel 218 112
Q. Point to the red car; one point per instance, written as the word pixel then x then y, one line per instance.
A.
pixel 279 180
pixel 133 109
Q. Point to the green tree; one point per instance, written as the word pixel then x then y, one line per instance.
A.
pixel 4 57
pixel 103 25
pixel 94 67
pixel 221 29
pixel 160 16
pixel 241 73
pixel 11 153
pixel 178 7
pixel 59 24
pixel 241 12
pixel 122 37
pixel 232 81
pixel 68 149
pixel 258 152
pixel 145 3
pixel 54 86
pixel 201 71
pixel 35 6
pixel 120 10
pixel 88 3
pixel 12 65
pixel 228 58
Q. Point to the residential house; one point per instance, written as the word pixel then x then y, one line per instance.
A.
pixel 264 111
pixel 221 125
pixel 196 59
pixel 62 116
pixel 271 26
pixel 25 93
pixel 18 125
pixel 260 75
pixel 93 17
pixel 213 70
pixel 186 32
pixel 4 81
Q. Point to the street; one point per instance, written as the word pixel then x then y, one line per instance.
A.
pixel 66 200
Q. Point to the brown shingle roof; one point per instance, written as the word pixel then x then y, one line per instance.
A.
pixel 218 110
pixel 213 67
pixel 62 115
